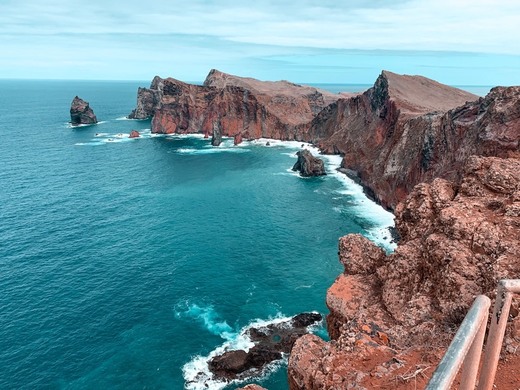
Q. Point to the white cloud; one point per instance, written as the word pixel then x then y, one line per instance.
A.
pixel 477 25
pixel 269 39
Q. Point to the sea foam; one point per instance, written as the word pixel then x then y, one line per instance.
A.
pixel 196 372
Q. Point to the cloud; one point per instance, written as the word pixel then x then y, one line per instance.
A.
pixel 270 39
pixel 463 25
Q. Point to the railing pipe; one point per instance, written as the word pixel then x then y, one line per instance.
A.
pixel 468 338
pixel 506 288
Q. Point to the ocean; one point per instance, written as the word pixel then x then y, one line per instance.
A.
pixel 124 263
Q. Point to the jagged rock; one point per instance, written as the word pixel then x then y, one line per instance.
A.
pixel 241 105
pixel 148 100
pixel 308 165
pixel 134 134
pixel 216 135
pixel 402 131
pixel 81 113
pixel 251 387
pixel 457 241
pixel 237 139
pixel 270 342
pixel 410 129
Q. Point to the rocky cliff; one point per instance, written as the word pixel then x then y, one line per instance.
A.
pixel 409 129
pixel 81 113
pixel 402 131
pixel 395 311
pixel 242 107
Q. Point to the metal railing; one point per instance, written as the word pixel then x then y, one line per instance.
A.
pixel 466 347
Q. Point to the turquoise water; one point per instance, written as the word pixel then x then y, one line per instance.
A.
pixel 124 262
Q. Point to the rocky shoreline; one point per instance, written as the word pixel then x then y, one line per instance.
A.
pixel 446 161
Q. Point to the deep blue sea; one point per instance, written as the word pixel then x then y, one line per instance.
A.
pixel 125 262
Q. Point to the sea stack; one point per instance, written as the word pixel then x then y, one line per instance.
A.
pixel 216 137
pixel 308 165
pixel 81 113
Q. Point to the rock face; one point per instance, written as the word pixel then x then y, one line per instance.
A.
pixel 216 137
pixel 402 131
pixel 308 165
pixel 243 106
pixel 81 113
pixel 270 342
pixel 252 387
pixel 148 100
pixel 409 129
pixel 457 241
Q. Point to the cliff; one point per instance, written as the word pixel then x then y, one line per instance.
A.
pixel 409 129
pixel 457 241
pixel 240 106
pixel 403 131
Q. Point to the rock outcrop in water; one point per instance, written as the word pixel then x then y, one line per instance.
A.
pixel 270 341
pixel 148 100
pixel 81 113
pixel 308 165
pixel 457 241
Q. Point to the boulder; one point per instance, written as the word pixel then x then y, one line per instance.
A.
pixel 271 341
pixel 81 113
pixel 308 165
pixel 134 134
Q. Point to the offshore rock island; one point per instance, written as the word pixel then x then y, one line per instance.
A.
pixel 81 113
pixel 445 161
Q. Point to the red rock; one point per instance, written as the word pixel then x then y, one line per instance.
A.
pixel 308 165
pixel 402 131
pixel 243 106
pixel 134 134
pixel 81 113
pixel 457 240
pixel 409 129
pixel 237 139
pixel 252 387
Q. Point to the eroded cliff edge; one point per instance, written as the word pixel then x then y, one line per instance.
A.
pixel 235 105
pixel 392 314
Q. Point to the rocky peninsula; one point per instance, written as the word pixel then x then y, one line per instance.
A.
pixel 445 161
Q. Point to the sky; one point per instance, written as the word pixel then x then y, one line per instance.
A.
pixel 457 42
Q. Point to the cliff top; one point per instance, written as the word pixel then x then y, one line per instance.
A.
pixel 420 95
pixel 220 79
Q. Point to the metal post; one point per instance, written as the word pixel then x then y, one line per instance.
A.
pixel 470 332
pixel 472 360
pixel 496 332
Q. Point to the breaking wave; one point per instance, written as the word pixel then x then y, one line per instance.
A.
pixel 196 372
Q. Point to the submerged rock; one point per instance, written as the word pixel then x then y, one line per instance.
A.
pixel 81 113
pixel 271 342
pixel 308 165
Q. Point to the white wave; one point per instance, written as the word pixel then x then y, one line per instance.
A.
pixel 88 143
pixel 125 118
pixel 208 317
pixel 362 206
pixel 196 372
pixel 212 150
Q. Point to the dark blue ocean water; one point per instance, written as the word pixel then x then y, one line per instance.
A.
pixel 123 260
